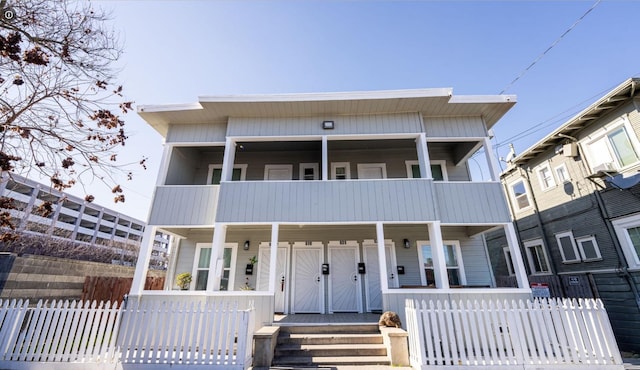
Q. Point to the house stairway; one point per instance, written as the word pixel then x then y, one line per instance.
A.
pixel 320 345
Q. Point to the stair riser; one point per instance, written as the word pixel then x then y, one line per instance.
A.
pixel 331 329
pixel 308 361
pixel 334 340
pixel 330 352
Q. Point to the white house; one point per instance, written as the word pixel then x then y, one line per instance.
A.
pixel 349 202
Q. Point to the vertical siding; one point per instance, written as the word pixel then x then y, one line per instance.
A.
pixel 461 202
pixel 214 132
pixel 622 308
pixel 344 125
pixel 454 127
pixel 184 205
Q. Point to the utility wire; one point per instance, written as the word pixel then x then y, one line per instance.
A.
pixel 550 47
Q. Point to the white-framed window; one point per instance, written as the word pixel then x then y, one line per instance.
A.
pixel 589 250
pixel 215 173
pixel 562 173
pixel 438 170
pixel 567 246
pixel 520 195
pixel 308 171
pixel 545 176
pixel 278 172
pixel 612 147
pixel 508 260
pixel 372 171
pixel 453 261
pixel 201 270
pixel 340 170
pixel 537 257
pixel 628 233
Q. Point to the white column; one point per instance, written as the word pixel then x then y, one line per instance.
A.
pixel 173 250
pixel 491 160
pixel 325 158
pixel 217 257
pixel 423 157
pixel 164 165
pixel 437 253
pixel 275 228
pixel 228 159
pixel 382 257
pixel 142 266
pixel 516 256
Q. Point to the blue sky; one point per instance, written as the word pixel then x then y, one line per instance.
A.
pixel 176 51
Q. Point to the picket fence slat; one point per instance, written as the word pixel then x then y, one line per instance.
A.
pixel 543 333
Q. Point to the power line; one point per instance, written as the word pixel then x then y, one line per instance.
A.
pixel 550 47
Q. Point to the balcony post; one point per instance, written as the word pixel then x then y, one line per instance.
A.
pixel 142 266
pixel 325 158
pixel 423 156
pixel 437 253
pixel 228 159
pixel 382 257
pixel 217 257
pixel 491 160
pixel 275 228
pixel 164 165
pixel 516 256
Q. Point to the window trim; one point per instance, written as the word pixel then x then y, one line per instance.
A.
pixel 242 167
pixel 440 162
pixel 508 260
pixel 515 199
pixel 361 166
pixel 527 248
pixel 346 165
pixel 314 166
pixel 552 182
pixel 621 122
pixel 568 234
pixel 566 170
pixel 460 268
pixel 268 167
pixel 408 164
pixel 591 238
pixel 620 227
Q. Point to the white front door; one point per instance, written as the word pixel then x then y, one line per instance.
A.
pixel 282 266
pixel 307 287
pixel 372 278
pixel 278 172
pixel 345 294
pixel 372 171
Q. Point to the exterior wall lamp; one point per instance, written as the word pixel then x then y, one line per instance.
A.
pixel 327 125
pixel 246 245
pixel 406 243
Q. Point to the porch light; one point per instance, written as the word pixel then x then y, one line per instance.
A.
pixel 327 125
pixel 406 243
pixel 246 245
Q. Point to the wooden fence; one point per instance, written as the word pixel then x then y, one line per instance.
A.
pixel 181 334
pixel 111 288
pixel 539 334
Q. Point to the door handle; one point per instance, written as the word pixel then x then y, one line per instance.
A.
pixel 392 276
pixel 355 277
pixel 282 284
pixel 318 279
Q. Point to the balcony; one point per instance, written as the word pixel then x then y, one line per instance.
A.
pixel 184 205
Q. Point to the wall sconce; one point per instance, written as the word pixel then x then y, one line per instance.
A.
pixel 327 125
pixel 246 245
pixel 406 243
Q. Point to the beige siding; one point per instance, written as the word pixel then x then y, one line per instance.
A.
pixel 344 125
pixel 454 127
pixel 202 133
pixel 184 205
pixel 470 202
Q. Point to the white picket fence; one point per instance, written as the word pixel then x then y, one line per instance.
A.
pixel 181 334
pixel 88 335
pixel 58 332
pixel 539 334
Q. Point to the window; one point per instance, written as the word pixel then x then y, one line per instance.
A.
pixel 546 177
pixel 508 261
pixel 562 173
pixel 453 260
pixel 520 196
pixel 340 171
pixel 308 171
pixel 568 248
pixel 612 148
pixel 215 173
pixel 438 170
pixel 538 261
pixel 201 266
pixel 628 233
pixel 588 248
pixel 372 171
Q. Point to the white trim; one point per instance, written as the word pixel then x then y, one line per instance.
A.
pixel 532 243
pixel 354 246
pixel 297 246
pixel 620 122
pixel 621 226
pixel 241 167
pixel 552 179
pixel 566 171
pixel 567 234
pixel 314 166
pixel 443 167
pixel 268 167
pixel 458 251
pixel 509 260
pixel 591 238
pixel 363 166
pixel 346 165
pixel 515 199
pixel 408 164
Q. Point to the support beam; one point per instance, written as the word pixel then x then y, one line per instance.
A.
pixel 228 159
pixel 217 257
pixel 273 263
pixel 142 266
pixel 437 253
pixel 382 257
pixel 325 158
pixel 423 157
pixel 491 160
pixel 516 256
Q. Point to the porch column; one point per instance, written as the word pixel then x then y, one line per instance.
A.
pixel 275 229
pixel 423 157
pixel 142 265
pixel 227 160
pixel 164 165
pixel 217 255
pixel 516 256
pixel 382 257
pixel 437 253
pixel 173 250
pixel 491 160
pixel 325 158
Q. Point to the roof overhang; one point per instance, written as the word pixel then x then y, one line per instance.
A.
pixel 429 102
pixel 609 102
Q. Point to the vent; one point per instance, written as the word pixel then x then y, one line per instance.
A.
pixel 570 150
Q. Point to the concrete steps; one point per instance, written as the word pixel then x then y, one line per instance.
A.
pixel 330 344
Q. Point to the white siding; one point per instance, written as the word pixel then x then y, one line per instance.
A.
pixel 454 127
pixel 470 202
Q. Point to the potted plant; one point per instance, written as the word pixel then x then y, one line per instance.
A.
pixel 183 280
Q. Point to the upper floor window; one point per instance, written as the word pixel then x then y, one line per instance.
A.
pixel 520 195
pixel 546 177
pixel 562 173
pixel 567 246
pixel 215 173
pixel 588 248
pixel 438 170
pixel 340 170
pixel 628 233
pixel 612 148
pixel 537 257
pixel 308 171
